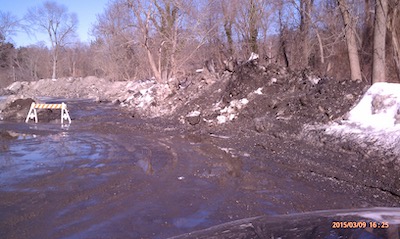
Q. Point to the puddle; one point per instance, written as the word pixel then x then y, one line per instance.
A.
pixel 192 220
pixel 103 178
pixel 36 155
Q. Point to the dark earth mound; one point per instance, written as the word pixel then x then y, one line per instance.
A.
pixel 18 110
pixel 290 98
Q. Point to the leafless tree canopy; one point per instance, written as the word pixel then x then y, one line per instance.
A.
pixel 54 20
pixel 8 26
pixel 165 39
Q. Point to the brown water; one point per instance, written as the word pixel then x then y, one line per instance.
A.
pixel 103 176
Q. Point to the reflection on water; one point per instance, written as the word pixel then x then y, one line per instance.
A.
pixel 97 180
pixel 156 173
pixel 30 154
pixel 193 220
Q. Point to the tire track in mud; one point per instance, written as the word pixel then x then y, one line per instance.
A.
pixel 95 181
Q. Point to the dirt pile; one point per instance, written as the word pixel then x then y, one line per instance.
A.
pixel 260 97
pixel 249 94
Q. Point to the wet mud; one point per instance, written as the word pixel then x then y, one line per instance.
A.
pixel 108 175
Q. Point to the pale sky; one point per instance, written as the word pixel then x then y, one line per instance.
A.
pixel 85 9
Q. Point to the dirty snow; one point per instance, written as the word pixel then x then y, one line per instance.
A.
pixel 231 111
pixel 194 113
pixel 374 119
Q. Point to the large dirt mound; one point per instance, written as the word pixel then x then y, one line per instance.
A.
pixel 265 97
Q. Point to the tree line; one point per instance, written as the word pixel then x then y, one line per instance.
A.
pixel 164 39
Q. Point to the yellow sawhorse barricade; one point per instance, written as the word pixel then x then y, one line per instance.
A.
pixel 32 114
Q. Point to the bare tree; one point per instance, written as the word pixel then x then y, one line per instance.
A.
pixel 55 20
pixel 8 26
pixel 142 21
pixel 305 8
pixel 394 20
pixel 29 62
pixel 115 48
pixel 229 13
pixel 170 33
pixel 379 55
pixel 351 40
pixel 248 22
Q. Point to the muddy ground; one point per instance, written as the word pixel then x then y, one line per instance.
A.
pixel 215 158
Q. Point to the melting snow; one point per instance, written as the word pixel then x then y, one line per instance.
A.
pixel 259 91
pixel 379 108
pixel 376 118
pixel 230 112
pixel 194 113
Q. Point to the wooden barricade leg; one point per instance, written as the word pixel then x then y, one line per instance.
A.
pixel 32 114
pixel 65 114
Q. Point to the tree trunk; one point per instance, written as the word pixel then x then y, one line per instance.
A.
pixel 282 38
pixel 379 61
pixel 228 33
pixel 153 66
pixel 305 25
pixel 351 41
pixel 393 19
pixel 396 51
pixel 253 28
pixel 55 58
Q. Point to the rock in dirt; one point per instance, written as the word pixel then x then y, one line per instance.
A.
pixel 193 117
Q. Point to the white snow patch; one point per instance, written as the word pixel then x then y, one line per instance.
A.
pixel 375 118
pixel 253 56
pixel 379 107
pixel 244 101
pixel 221 119
pixel 314 80
pixel 226 150
pixel 230 112
pixel 194 113
pixel 219 136
pixel 258 91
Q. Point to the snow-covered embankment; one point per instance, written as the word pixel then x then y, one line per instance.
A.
pixel 375 119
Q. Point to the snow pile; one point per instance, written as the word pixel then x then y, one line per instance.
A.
pixel 150 99
pixel 146 97
pixel 231 111
pixel 376 118
pixel 379 108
